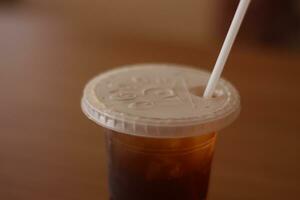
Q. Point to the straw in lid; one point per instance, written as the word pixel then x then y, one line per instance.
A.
pixel 159 100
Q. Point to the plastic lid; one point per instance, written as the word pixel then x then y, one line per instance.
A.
pixel 159 100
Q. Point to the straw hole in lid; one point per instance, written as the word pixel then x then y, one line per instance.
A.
pixel 199 91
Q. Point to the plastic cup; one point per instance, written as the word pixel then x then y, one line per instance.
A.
pixel 160 132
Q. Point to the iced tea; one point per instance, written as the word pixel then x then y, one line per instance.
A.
pixel 142 168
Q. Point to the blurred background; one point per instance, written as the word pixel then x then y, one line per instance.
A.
pixel 271 23
pixel 50 49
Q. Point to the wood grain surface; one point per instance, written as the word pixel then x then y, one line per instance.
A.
pixel 50 151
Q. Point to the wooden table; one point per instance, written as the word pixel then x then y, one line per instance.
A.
pixel 50 151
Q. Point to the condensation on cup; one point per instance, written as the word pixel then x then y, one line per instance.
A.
pixel 160 132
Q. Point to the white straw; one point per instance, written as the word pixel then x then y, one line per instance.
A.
pixel 226 48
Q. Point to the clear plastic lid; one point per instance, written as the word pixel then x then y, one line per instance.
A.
pixel 159 100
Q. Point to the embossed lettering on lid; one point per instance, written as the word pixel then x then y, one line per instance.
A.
pixel 159 100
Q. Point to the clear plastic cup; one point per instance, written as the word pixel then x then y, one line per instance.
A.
pixel 160 132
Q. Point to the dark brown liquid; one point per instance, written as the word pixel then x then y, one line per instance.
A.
pixel 159 169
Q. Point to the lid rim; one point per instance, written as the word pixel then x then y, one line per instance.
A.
pixel 164 135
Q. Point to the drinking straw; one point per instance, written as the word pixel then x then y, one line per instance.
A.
pixel 226 48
